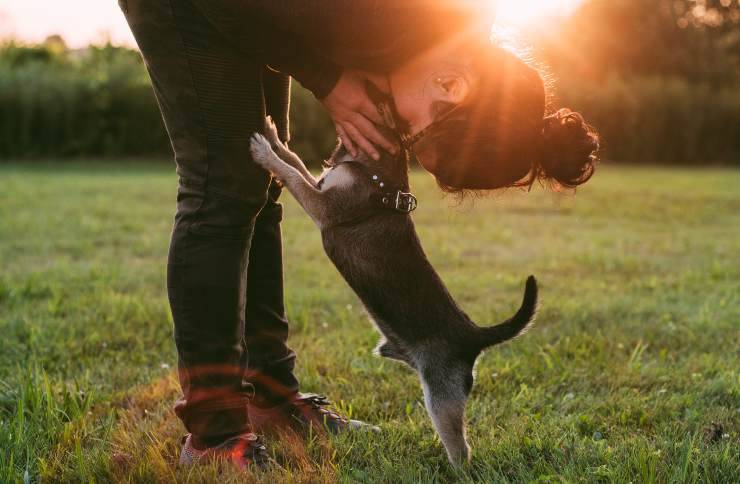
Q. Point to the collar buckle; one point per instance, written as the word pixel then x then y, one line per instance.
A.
pixel 405 202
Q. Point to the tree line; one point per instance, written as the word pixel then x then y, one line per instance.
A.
pixel 660 79
pixel 98 102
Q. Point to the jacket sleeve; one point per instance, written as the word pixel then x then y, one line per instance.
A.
pixel 375 35
pixel 315 72
pixel 313 39
pixel 321 20
pixel 269 30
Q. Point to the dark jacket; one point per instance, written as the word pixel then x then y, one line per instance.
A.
pixel 313 40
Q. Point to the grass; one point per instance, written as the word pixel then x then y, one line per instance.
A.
pixel 631 373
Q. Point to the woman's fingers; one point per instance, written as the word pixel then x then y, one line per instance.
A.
pixel 354 114
pixel 369 131
pixel 346 140
pixel 370 111
pixel 361 141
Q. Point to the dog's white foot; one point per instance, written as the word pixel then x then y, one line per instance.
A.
pixel 262 153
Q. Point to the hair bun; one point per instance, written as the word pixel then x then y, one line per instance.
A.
pixel 569 149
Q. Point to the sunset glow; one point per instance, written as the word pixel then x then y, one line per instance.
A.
pixel 81 22
pixel 527 12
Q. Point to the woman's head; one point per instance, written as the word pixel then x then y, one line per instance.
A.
pixel 490 126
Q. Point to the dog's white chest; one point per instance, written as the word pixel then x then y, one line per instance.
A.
pixel 338 177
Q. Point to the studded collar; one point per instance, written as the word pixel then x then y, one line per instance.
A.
pixel 385 194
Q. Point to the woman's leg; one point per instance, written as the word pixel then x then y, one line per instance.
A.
pixel 211 99
pixel 271 361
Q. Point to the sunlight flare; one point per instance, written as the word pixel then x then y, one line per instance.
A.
pixel 527 12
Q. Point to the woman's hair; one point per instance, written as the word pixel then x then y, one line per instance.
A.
pixel 503 137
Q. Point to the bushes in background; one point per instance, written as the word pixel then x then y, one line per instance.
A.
pixel 312 133
pixel 660 79
pixel 81 103
pixel 98 102
pixel 660 119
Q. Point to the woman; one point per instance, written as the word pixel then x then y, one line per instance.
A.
pixel 473 113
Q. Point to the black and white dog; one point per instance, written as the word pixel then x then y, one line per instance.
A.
pixel 362 207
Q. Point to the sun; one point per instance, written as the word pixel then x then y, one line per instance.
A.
pixel 522 13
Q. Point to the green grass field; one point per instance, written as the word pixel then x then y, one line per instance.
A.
pixel 630 374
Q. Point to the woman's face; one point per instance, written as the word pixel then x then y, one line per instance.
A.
pixel 424 91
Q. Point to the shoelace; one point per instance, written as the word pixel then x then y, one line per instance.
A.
pixel 318 402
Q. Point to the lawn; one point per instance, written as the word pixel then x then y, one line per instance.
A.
pixel 630 374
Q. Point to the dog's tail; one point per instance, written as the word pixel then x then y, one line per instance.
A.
pixel 516 325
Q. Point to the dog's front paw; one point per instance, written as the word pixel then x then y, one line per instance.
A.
pixel 261 149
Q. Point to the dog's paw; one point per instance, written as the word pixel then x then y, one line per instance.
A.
pixel 261 150
pixel 264 156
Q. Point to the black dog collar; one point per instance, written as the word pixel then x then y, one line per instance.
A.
pixel 394 199
pixel 388 196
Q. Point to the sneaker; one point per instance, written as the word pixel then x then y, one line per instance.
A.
pixel 244 451
pixel 304 410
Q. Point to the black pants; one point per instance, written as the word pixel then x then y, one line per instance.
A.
pixel 224 274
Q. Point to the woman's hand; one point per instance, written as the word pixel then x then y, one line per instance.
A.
pixel 354 113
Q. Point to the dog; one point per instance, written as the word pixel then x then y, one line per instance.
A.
pixel 362 208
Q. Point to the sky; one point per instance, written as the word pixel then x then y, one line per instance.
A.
pixel 81 22
pixel 521 12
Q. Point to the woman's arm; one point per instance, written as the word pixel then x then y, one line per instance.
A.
pixel 308 38
pixel 311 39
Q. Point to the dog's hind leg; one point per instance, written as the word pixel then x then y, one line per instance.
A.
pixel 386 349
pixel 308 196
pixel 445 396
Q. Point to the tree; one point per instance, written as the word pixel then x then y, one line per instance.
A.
pixel 692 39
pixel 56 44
